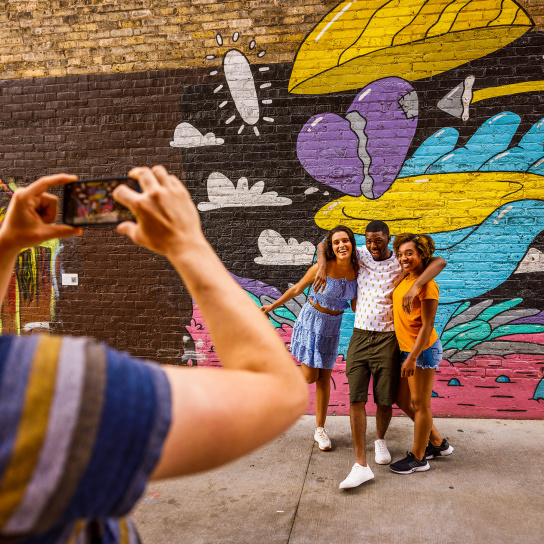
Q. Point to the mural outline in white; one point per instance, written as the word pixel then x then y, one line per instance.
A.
pixel 223 194
pixel 277 252
pixel 187 136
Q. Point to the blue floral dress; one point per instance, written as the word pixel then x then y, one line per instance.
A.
pixel 316 335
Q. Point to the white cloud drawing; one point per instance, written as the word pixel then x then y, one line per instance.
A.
pixel 532 262
pixel 276 251
pixel 186 135
pixel 223 194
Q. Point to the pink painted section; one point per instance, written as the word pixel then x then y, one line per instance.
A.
pixel 477 395
pixel 536 338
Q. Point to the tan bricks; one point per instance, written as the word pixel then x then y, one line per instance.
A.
pixel 118 29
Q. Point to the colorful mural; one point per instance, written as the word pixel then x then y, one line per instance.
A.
pixel 428 114
pixel 30 303
pixel 409 122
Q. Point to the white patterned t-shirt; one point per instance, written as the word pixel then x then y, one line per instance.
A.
pixel 376 282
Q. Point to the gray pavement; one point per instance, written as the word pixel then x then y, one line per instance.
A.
pixel 491 490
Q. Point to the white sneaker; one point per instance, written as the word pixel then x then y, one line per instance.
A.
pixel 323 441
pixel 381 453
pixel 358 475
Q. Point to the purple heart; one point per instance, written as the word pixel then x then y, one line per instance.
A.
pixel 363 152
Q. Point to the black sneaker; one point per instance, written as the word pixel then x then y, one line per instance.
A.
pixel 436 451
pixel 410 464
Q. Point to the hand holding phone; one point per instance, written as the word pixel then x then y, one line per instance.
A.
pixel 90 202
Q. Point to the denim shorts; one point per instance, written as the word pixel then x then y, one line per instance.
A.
pixel 428 358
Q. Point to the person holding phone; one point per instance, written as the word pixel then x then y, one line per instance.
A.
pixel 420 352
pixel 316 333
pixel 83 427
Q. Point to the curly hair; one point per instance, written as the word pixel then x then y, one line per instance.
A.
pixel 329 253
pixel 423 242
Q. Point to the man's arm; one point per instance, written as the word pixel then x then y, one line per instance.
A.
pixel 320 281
pixel 435 266
pixel 217 416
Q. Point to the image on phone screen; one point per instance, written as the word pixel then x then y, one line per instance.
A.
pixel 90 202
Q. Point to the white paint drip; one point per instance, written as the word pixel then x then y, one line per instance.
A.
pixel 223 104
pixel 265 85
pixel 264 68
pixel 268 119
pixel 502 214
pixel 230 120
pixel 217 89
pixel 240 129
pixel 235 36
pixel 219 39
pixel 261 54
pixel 448 157
pixel 256 131
pixel 422 180
pixel 318 120
pixel 213 73
pixel 267 101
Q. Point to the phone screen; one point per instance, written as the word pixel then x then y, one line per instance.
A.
pixel 90 202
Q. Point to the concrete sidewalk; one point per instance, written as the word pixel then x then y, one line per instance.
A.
pixel 491 490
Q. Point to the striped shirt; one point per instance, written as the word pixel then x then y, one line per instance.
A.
pixel 81 429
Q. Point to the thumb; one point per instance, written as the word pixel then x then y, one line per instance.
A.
pixel 60 231
pixel 128 228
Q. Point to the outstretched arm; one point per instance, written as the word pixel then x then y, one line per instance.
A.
pixel 217 416
pixel 320 281
pixel 293 291
pixel 435 266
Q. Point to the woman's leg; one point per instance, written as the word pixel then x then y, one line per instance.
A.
pixel 404 402
pixel 310 374
pixel 421 388
pixel 322 396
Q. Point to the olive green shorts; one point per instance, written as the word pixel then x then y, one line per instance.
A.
pixel 377 354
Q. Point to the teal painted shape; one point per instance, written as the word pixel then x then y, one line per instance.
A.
pixel 539 391
pixel 434 147
pixel 492 138
pixel 491 253
pixel 497 309
pixel 503 379
pixel 433 394
pixel 454 381
pixel 519 158
pixel 461 308
pixel 468 334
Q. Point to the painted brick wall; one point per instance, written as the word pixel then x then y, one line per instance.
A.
pixel 286 119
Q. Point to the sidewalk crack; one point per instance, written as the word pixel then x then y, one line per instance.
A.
pixel 300 496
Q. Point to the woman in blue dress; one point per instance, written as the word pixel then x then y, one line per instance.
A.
pixel 317 329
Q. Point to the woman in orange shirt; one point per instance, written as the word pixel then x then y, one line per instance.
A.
pixel 420 350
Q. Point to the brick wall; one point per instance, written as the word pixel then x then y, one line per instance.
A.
pixel 452 144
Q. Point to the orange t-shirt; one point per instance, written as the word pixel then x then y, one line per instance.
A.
pixel 407 325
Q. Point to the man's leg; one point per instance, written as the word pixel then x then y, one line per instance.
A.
pixel 357 418
pixel 358 376
pixel 383 418
pixel 385 375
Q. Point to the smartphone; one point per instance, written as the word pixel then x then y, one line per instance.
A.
pixel 89 202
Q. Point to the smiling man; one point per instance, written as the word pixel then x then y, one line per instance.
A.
pixel 373 348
